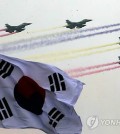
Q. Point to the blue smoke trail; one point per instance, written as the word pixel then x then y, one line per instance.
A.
pixel 100 27
pixel 52 39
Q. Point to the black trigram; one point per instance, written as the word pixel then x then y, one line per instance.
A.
pixel 56 82
pixel 5 111
pixel 5 68
pixel 55 116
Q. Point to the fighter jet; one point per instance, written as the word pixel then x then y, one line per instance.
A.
pixel 119 40
pixel 18 28
pixel 119 59
pixel 80 24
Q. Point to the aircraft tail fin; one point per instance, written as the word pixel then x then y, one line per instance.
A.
pixel 68 22
pixel 7 25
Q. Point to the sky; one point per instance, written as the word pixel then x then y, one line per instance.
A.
pixel 100 96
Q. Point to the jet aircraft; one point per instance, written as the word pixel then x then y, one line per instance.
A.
pixel 18 28
pixel 119 59
pixel 80 24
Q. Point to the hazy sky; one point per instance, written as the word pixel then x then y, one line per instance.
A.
pixel 43 13
pixel 51 13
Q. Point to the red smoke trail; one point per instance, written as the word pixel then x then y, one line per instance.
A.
pixel 2 35
pixel 2 30
pixel 90 67
pixel 94 72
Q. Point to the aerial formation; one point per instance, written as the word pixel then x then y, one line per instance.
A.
pixel 70 25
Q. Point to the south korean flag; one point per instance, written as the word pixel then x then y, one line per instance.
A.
pixel 37 95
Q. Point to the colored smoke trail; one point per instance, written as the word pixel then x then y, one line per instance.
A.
pixel 81 30
pixel 100 33
pixel 94 72
pixel 100 27
pixel 2 30
pixel 51 39
pixel 72 51
pixel 80 69
pixel 47 29
pixel 2 35
pixel 72 55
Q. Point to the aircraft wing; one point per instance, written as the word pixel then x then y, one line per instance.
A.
pixel 80 26
pixel 19 29
pixel 70 26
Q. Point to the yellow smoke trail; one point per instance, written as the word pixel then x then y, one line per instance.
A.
pixel 71 56
pixel 69 52
pixel 76 55
pixel 47 29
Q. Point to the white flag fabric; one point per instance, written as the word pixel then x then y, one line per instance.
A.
pixel 37 95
